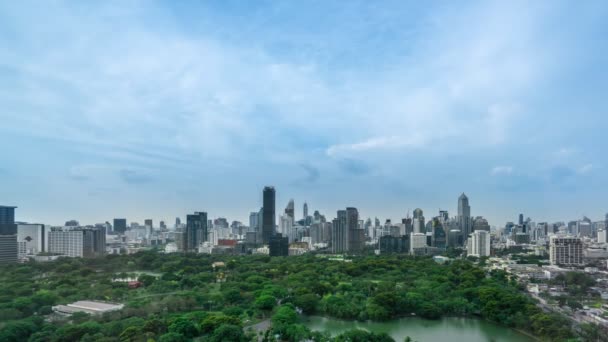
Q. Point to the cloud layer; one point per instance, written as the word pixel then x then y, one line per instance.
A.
pixel 403 107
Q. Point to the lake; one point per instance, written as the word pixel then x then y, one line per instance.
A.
pixel 422 330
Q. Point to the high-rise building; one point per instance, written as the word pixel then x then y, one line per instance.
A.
pixel 178 223
pixel 268 214
pixel 120 225
pixel 481 223
pixel 439 239
pixel 72 223
pixel 305 210
pixel 602 237
pixel 418 221
pixel 8 235
pixel 253 221
pixel 82 242
pixel 286 227
pixel 196 231
pixel 356 236
pixel 566 251
pixel 464 215
pixel 290 209
pixel 394 245
pixel 278 245
pixel 31 239
pixel 417 240
pixel 478 244
pixel 521 219
pixel 148 223
pixel 584 229
pixel 339 235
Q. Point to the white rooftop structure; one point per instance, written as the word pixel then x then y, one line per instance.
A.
pixel 89 307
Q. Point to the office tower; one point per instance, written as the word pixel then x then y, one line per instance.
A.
pixel 83 242
pixel 478 244
pixel 408 225
pixel 253 221
pixel 606 222
pixel 268 214
pixel 72 223
pixel 8 235
pixel 356 236
pixel 444 216
pixel 163 226
pixel 455 238
pixel 120 225
pixel 439 233
pixel 566 251
pixel 521 219
pixel 148 223
pixel 305 211
pixel 602 237
pixel 339 235
pixel 417 240
pixel 481 223
pixel 290 210
pixel 278 245
pixel 464 214
pixel 418 221
pixel 31 239
pixel 196 231
pixel 583 228
pixel 178 223
pixel 286 227
pixel 394 245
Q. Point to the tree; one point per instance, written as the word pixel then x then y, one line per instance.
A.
pixel 183 326
pixel 358 335
pixel 172 337
pixel 265 302
pixel 228 332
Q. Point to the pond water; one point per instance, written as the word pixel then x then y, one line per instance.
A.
pixel 422 330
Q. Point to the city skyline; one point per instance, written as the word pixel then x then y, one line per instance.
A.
pixel 198 106
pixel 457 215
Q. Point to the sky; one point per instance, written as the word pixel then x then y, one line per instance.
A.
pixel 155 109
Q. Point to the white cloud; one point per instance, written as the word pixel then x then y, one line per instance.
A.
pixel 501 170
pixel 585 169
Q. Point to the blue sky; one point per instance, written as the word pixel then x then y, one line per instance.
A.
pixel 144 109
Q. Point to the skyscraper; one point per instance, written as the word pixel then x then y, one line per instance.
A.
pixel 148 222
pixel 339 234
pixel 356 236
pixel 8 235
pixel 120 225
pixel 478 244
pixel 305 210
pixel 418 221
pixel 196 231
pixel 268 214
pixel 290 210
pixel 464 215
pixel 521 219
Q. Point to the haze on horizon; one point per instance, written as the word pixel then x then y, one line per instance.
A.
pixel 156 109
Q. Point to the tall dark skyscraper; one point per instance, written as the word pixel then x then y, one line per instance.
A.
pixel 521 219
pixel 8 235
pixel 464 215
pixel 196 231
pixel 120 225
pixel 305 211
pixel 268 214
pixel 356 236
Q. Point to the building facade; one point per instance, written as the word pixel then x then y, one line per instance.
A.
pixel 566 251
pixel 268 214
pixel 8 235
pixel 478 244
